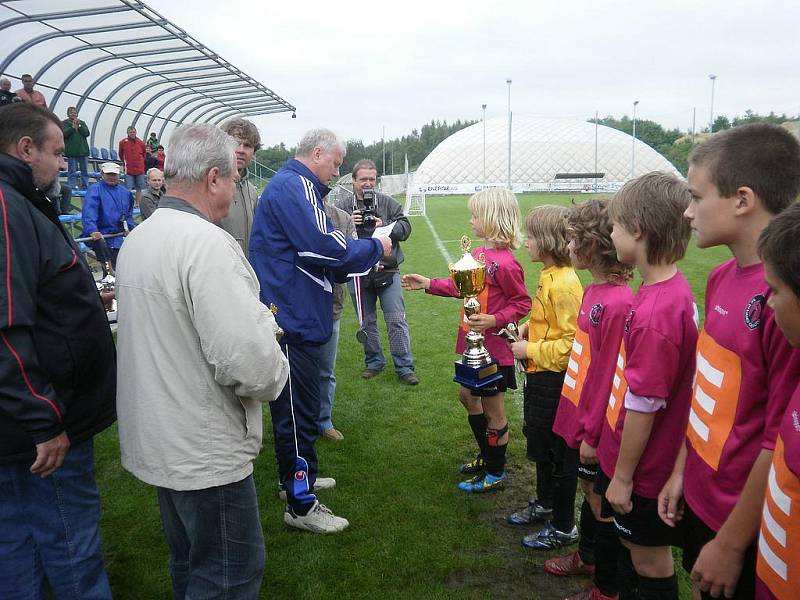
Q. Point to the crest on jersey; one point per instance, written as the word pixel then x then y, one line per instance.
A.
pixel 595 313
pixel 753 310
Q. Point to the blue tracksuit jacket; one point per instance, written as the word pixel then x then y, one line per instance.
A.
pixel 104 207
pixel 298 255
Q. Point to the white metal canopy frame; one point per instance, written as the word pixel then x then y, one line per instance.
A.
pixel 122 64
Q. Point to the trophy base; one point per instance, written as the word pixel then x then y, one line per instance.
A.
pixel 477 377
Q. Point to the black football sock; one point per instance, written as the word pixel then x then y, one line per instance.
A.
pixel 565 487
pixel 544 483
pixel 627 578
pixel 478 425
pixel 587 530
pixel 495 457
pixel 606 552
pixel 658 588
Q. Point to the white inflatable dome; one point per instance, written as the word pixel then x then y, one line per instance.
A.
pixel 541 148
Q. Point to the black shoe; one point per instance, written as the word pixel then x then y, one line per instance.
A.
pixel 530 514
pixel 409 379
pixel 369 373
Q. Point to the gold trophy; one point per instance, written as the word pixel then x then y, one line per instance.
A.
pixel 476 369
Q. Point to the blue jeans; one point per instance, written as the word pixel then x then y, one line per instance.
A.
pixel 73 162
pixel 327 378
pixel 394 315
pixel 136 181
pixel 216 546
pixel 49 528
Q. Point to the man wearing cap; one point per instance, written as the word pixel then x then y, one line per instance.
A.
pixel 107 210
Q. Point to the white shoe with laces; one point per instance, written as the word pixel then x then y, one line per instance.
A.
pixel 319 519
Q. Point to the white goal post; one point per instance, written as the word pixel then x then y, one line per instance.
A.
pixel 415 203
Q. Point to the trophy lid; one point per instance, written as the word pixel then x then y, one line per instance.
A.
pixel 467 262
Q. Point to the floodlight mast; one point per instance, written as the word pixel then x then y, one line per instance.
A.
pixel 713 79
pixel 633 139
pixel 596 129
pixel 508 81
pixel 484 143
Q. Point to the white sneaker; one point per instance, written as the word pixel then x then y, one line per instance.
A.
pixel 319 519
pixel 322 483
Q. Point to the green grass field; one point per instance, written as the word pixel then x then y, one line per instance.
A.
pixel 412 533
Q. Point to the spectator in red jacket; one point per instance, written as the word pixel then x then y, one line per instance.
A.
pixel 132 153
pixel 28 94
pixel 161 157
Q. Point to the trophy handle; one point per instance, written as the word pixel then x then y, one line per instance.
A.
pixel 278 330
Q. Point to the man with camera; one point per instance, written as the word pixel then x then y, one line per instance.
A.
pixel 371 209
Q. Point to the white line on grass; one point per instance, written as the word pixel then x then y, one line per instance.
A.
pixel 438 240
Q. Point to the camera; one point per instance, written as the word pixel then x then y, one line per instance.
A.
pixel 368 218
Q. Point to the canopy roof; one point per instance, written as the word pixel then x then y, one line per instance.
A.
pixel 121 63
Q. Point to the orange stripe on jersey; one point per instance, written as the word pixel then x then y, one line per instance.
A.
pixel 577 367
pixel 714 399
pixel 778 565
pixel 617 397
pixel 483 298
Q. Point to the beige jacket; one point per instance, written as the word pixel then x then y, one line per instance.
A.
pixel 198 349
pixel 239 222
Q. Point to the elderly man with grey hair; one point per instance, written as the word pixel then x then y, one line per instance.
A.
pixel 6 95
pixel 299 256
pixel 201 358
pixel 152 195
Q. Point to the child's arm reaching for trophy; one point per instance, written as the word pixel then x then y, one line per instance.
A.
pixel 413 281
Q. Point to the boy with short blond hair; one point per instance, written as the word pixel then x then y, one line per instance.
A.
pixel 650 395
pixel 746 370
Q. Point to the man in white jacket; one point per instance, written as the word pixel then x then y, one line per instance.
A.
pixel 200 359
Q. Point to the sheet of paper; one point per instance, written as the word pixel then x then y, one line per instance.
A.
pixel 383 231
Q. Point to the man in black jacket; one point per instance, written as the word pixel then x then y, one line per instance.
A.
pixel 57 376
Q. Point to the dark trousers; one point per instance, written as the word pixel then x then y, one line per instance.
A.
pixel 104 252
pixel 65 201
pixel 295 425
pixel 216 546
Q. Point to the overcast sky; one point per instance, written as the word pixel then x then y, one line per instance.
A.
pixel 357 67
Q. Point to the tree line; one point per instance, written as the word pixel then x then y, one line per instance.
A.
pixel 675 145
pixel 388 155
